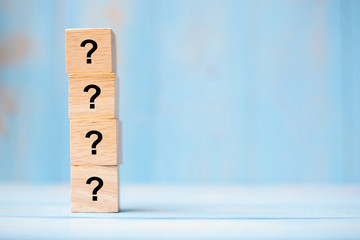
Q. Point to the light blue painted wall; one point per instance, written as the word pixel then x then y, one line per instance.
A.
pixel 211 91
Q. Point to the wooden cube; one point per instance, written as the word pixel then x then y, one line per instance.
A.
pixel 94 189
pixel 92 95
pixel 88 50
pixel 95 141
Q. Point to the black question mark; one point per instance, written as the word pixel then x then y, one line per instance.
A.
pixel 96 142
pixel 91 51
pixel 96 94
pixel 98 187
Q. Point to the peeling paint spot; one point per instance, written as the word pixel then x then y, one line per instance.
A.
pixel 115 15
pixel 7 107
pixel 14 49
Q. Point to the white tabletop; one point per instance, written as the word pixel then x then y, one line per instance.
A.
pixel 186 212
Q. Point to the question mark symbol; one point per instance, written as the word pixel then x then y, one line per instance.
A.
pixel 91 51
pixel 96 142
pixel 98 187
pixel 96 94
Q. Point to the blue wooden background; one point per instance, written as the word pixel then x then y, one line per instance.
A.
pixel 211 91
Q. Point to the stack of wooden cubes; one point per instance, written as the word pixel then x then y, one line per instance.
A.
pixel 95 131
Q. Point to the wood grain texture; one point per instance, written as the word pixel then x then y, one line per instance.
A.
pixel 107 150
pixel 79 100
pixel 82 193
pixel 119 142
pixel 76 56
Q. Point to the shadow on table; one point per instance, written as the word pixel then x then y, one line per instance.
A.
pixel 139 210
